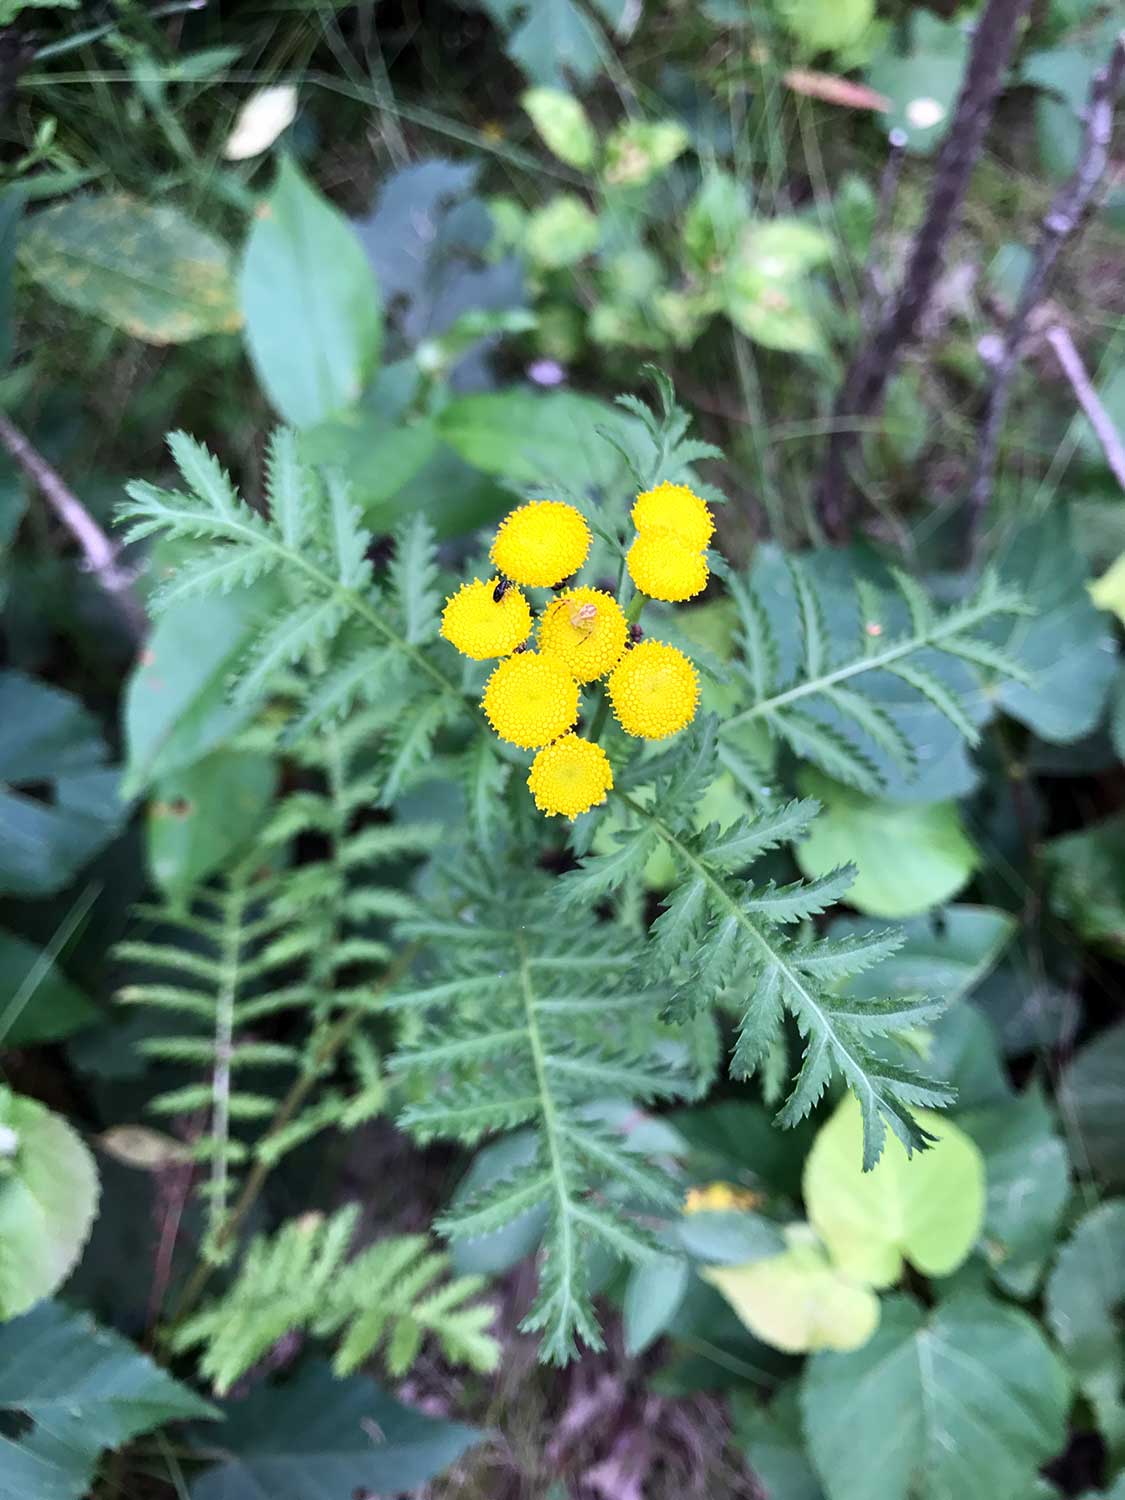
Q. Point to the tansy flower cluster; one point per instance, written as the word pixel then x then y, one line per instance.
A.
pixel 667 560
pixel 533 697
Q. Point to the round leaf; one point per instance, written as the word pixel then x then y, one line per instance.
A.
pixel 798 1301
pixel 1083 1292
pixel 927 1208
pixel 48 1198
pixel 908 857
pixel 562 232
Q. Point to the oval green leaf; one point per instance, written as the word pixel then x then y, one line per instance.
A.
pixel 48 1198
pixel 142 267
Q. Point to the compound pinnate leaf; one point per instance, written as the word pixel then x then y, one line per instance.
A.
pixel 928 1209
pixel 142 267
pixel 968 1399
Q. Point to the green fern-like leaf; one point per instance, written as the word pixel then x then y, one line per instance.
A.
pixel 389 1297
pixel 720 935
pixel 529 1021
pixel 829 702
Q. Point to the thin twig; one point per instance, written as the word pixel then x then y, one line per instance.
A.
pixel 874 288
pixel 1088 399
pixel 867 377
pixel 99 553
pixel 331 1040
pixel 1064 218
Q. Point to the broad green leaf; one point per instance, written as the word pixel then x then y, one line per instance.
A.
pixel 907 857
pixel 799 1301
pixel 203 813
pixel 177 702
pixel 964 1400
pixel 962 1047
pixel 774 1445
pixel 639 150
pixel 314 320
pixel 317 1438
pixel 37 1001
pixel 1085 1294
pixel 921 84
pixel 653 1293
pixel 70 1390
pixel 1086 881
pixel 927 1209
pixel 48 1198
pixel 1028 1175
pixel 1092 1106
pixel 564 125
pixel 561 233
pixel 47 737
pixel 827 25
pixel 142 267
pixel 555 38
pixel 526 438
pixel 1067 645
pixel 763 285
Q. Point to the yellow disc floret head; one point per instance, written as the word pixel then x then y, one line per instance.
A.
pixel 570 776
pixel 673 507
pixel 541 543
pixel 482 625
pixel 587 629
pixel 654 690
pixel 663 566
pixel 531 699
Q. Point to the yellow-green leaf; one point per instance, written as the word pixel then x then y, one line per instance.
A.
pixel 142 267
pixel 927 1209
pixel 564 125
pixel 799 1301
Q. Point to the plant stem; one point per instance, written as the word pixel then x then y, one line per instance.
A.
pixel 99 553
pixel 871 369
pixel 332 1038
pixel 1067 212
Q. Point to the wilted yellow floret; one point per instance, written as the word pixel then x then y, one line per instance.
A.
pixel 531 699
pixel 570 777
pixel 663 566
pixel 719 1197
pixel 673 507
pixel 480 626
pixel 587 628
pixel 541 543
pixel 654 690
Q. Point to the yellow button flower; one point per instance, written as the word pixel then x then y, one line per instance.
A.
pixel 663 566
pixel 587 628
pixel 480 625
pixel 531 699
pixel 673 507
pixel 720 1197
pixel 541 543
pixel 654 690
pixel 570 777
